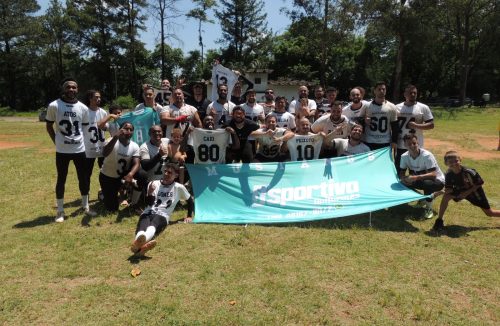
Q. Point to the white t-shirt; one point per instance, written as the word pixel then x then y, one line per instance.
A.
pixel 344 148
pixel 166 198
pixel 267 146
pixel 210 145
pixel 425 162
pixel 175 112
pixel 326 125
pixel 302 147
pixel 92 135
pixel 381 116
pixel 358 115
pixel 418 113
pixel 147 151
pixel 223 110
pixel 311 105
pixel 284 120
pixel 158 108
pixel 119 162
pixel 68 120
pixel 254 113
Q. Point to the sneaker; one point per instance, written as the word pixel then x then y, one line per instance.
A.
pixel 89 212
pixel 147 247
pixel 138 243
pixel 428 213
pixel 438 225
pixel 60 217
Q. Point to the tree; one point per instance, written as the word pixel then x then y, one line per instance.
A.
pixel 17 26
pixel 244 30
pixel 164 10
pixel 200 13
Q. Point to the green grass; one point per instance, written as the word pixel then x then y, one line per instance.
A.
pixel 332 272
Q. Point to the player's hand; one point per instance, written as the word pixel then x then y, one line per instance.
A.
pixel 188 220
pixel 230 130
pixel 128 178
pixel 182 118
pixel 163 150
pixel 412 125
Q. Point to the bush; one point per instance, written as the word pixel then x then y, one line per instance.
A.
pixel 7 112
pixel 126 102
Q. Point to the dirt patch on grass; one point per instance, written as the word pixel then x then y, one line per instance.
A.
pixel 485 151
pixel 9 144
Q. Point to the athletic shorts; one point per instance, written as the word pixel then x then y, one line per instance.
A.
pixel 477 198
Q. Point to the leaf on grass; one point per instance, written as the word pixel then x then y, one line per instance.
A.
pixel 135 272
pixel 232 302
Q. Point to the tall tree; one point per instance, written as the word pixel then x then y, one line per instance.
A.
pixel 164 11
pixel 244 29
pixel 200 13
pixel 17 25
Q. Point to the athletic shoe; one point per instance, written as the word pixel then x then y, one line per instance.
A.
pixel 138 243
pixel 89 212
pixel 147 247
pixel 60 217
pixel 428 213
pixel 438 225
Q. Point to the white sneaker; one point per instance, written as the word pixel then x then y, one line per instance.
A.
pixel 428 213
pixel 89 212
pixel 60 217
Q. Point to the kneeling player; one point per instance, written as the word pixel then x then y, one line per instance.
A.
pixel 269 141
pixel 462 183
pixel 162 197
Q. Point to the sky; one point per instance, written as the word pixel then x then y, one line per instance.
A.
pixel 187 29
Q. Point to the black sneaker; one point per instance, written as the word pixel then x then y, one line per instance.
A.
pixel 438 225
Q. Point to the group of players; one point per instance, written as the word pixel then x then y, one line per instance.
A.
pixel 149 146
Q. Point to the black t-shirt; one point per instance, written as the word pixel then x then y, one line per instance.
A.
pixel 466 179
pixel 201 106
pixel 245 131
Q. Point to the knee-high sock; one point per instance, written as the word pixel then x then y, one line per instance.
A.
pixel 150 233
pixel 60 204
pixel 85 201
pixel 135 196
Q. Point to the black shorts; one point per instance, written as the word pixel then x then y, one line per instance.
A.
pixel 477 198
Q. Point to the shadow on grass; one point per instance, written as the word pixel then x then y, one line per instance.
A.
pixel 394 219
pixel 135 259
pixel 39 221
pixel 458 231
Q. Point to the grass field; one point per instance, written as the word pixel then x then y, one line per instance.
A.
pixel 332 272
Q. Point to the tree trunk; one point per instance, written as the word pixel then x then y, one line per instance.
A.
pixel 398 69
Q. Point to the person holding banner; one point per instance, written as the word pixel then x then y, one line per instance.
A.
pixel 269 141
pixel 353 145
pixel 221 109
pixel 462 183
pixel 243 128
pixel 424 172
pixel 305 145
pixel 210 145
pixel 162 197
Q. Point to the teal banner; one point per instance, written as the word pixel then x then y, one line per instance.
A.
pixel 297 191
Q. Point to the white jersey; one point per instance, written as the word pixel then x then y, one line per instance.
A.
pixel 166 198
pixel 92 135
pixel 311 104
pixel 381 116
pixel 148 151
pixel 158 108
pixel 267 146
pixel 210 145
pixel 68 120
pixel 302 147
pixel 425 162
pixel 119 162
pixel 357 116
pixel 224 112
pixel 344 147
pixel 418 113
pixel 326 125
pixel 254 113
pixel 175 112
pixel 284 120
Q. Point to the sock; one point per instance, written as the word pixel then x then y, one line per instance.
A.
pixel 60 204
pixel 85 201
pixel 135 197
pixel 139 234
pixel 150 233
pixel 428 204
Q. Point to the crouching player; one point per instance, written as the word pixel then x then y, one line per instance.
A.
pixel 462 183
pixel 162 197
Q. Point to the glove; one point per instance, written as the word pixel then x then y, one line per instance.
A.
pixel 182 118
